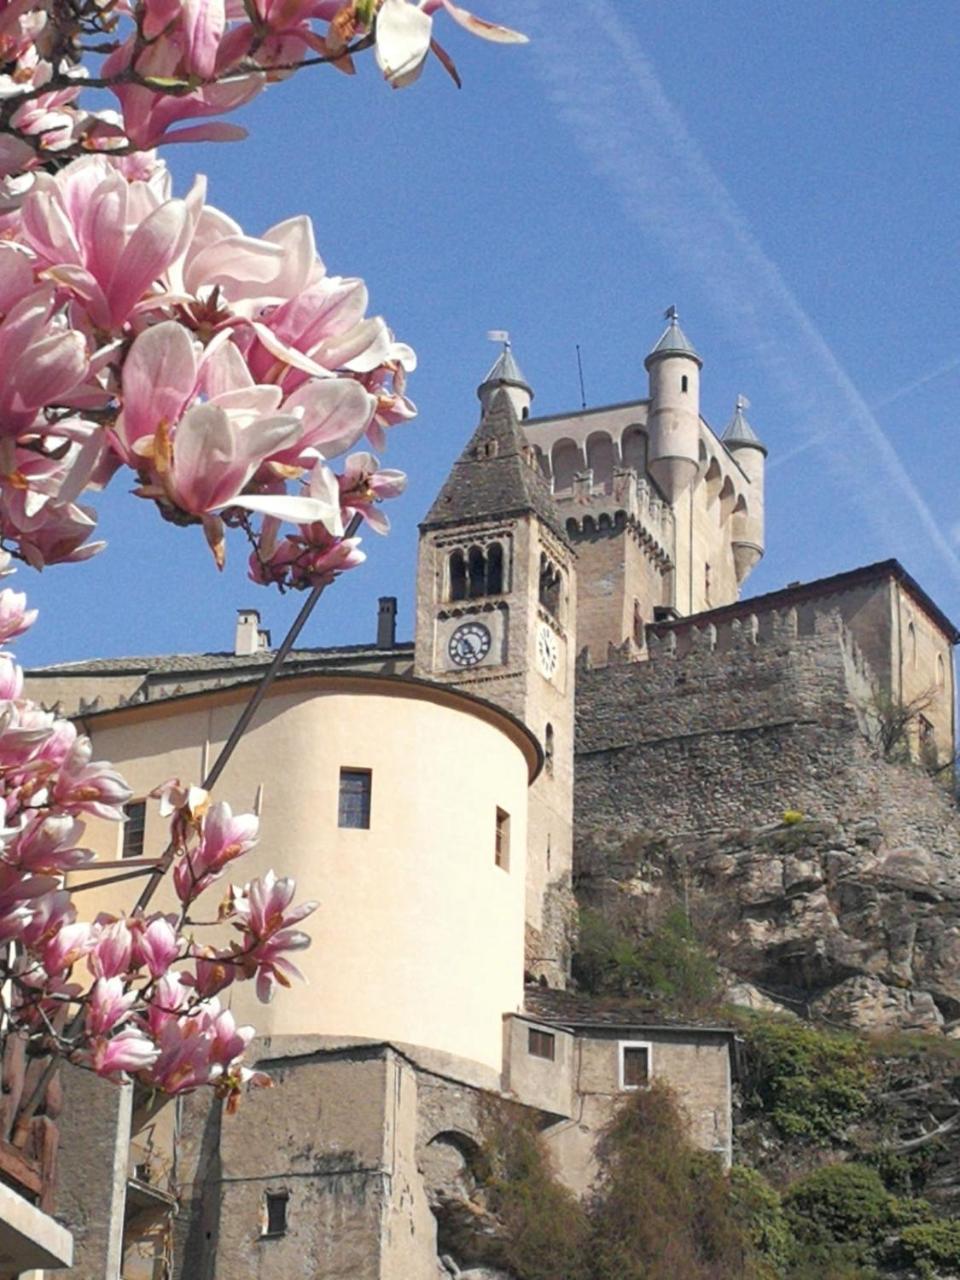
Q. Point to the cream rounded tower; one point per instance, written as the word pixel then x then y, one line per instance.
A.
pixel 750 454
pixel 401 808
pixel 674 367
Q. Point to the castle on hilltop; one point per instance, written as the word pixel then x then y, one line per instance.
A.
pixel 582 661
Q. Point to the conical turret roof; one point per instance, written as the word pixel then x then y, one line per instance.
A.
pixel 673 342
pixel 506 370
pixel 739 434
pixel 493 478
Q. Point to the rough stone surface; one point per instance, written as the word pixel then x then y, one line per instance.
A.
pixel 685 770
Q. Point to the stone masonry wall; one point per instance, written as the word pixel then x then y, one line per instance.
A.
pixel 739 729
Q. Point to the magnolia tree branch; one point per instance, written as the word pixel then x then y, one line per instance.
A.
pixel 239 387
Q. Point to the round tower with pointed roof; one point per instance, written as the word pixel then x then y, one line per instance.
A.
pixel 674 417
pixel 743 443
pixel 505 375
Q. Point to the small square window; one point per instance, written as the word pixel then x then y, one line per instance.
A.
pixel 134 829
pixel 502 845
pixel 541 1044
pixel 275 1213
pixel 355 786
pixel 634 1065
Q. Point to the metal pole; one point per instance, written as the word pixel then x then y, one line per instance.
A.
pixel 243 723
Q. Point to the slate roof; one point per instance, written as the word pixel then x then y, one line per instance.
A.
pixel 188 663
pixel 506 370
pixel 574 1010
pixel 492 477
pixel 673 341
pixel 739 431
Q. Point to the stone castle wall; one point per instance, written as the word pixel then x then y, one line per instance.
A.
pixel 765 715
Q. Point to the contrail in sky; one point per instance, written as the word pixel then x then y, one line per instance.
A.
pixel 607 92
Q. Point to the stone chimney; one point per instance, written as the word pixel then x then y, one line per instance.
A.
pixel 249 639
pixel 387 622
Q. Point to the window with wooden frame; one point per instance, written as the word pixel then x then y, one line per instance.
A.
pixel 636 1063
pixel 356 786
pixel 541 1044
pixel 134 829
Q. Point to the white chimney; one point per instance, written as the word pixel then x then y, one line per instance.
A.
pixel 248 636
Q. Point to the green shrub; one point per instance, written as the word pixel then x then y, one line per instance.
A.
pixel 756 1205
pixel 667 964
pixel 664 1210
pixel 933 1248
pixel 811 1084
pixel 842 1211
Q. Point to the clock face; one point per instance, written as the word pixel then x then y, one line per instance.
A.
pixel 469 644
pixel 548 651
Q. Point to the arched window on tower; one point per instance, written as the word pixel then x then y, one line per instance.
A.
pixel 551 582
pixel 494 569
pixel 477 572
pixel 458 576
pixel 912 644
pixel 941 672
pixel 684 384
pixel 548 749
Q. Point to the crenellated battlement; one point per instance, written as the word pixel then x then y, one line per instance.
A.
pixel 591 509
pixel 687 641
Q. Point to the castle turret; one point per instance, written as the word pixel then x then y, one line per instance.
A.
pixel 750 453
pixel 505 375
pixel 674 420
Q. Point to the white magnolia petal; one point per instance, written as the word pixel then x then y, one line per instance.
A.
pixel 298 510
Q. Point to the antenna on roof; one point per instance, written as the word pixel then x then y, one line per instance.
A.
pixel 583 394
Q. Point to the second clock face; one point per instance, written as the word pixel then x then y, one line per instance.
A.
pixel 469 644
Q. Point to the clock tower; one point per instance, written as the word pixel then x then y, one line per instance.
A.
pixel 496 616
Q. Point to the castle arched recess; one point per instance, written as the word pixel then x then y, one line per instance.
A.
pixel 727 499
pixel 567 461
pixel 633 449
pixel 600 459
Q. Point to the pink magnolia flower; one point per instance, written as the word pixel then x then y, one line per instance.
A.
pixel 15 617
pixel 111 952
pixel 108 1004
pixel 171 997
pixel 404 32
pixel 47 843
pixel 42 360
pixel 185 1058
pixel 11 677
pixel 228 1042
pixel 68 945
pixel 223 838
pixel 156 944
pixel 90 787
pixel 213 973
pixel 105 239
pixel 128 1052
pixel 264 918
pixel 149 116
pixel 363 485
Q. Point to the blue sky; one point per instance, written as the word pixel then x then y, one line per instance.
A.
pixel 786 175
